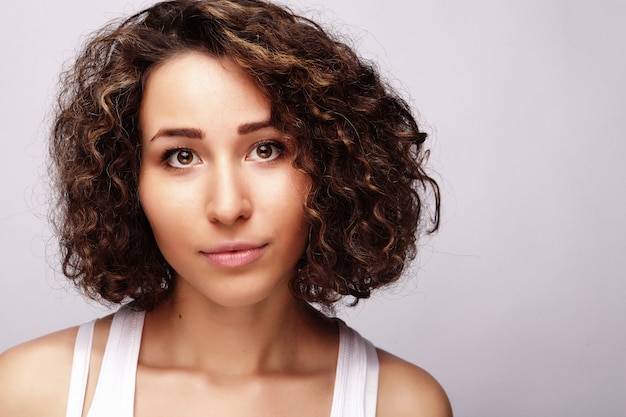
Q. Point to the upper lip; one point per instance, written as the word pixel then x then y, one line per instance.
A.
pixel 233 247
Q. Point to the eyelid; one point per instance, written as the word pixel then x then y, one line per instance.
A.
pixel 281 149
pixel 169 153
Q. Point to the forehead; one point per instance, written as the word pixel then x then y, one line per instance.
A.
pixel 198 89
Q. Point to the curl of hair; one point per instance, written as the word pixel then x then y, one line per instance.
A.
pixel 356 139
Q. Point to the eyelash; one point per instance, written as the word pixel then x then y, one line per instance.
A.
pixel 279 147
pixel 169 153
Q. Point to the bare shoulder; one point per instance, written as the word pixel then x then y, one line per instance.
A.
pixel 35 376
pixel 408 390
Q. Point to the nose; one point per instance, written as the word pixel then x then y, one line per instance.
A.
pixel 229 199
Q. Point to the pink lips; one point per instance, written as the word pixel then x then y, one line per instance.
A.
pixel 234 255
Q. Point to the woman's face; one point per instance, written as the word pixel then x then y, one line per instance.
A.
pixel 217 182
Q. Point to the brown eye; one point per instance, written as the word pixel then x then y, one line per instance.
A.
pixel 264 151
pixel 184 157
pixel 181 158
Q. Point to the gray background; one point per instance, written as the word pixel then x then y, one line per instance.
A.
pixel 519 305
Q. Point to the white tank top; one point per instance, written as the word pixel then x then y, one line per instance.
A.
pixel 356 379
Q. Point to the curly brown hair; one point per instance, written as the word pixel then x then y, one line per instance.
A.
pixel 356 139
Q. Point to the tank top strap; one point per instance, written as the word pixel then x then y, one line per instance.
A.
pixel 115 390
pixel 80 370
pixel 356 380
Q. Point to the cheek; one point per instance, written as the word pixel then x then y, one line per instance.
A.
pixel 303 188
pixel 295 199
pixel 155 197
pixel 301 184
pixel 148 195
pixel 291 190
pixel 164 216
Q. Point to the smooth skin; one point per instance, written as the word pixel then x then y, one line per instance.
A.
pixel 225 203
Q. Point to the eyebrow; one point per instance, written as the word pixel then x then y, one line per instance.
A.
pixel 193 133
pixel 246 128
pixel 190 133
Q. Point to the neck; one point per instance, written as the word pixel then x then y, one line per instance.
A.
pixel 233 341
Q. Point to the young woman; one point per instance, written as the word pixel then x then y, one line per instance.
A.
pixel 223 166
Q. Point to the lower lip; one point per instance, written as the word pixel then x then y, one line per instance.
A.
pixel 234 259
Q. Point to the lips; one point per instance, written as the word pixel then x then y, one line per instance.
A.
pixel 234 255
